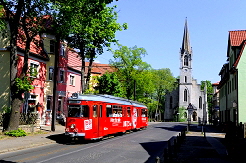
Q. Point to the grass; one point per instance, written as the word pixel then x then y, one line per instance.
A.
pixel 2 136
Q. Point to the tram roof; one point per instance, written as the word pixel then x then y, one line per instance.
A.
pixel 105 98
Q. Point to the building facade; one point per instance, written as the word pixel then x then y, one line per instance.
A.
pixel 188 93
pixel 232 85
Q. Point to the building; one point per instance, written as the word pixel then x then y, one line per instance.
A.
pixel 42 58
pixel 232 85
pixel 188 92
pixel 215 104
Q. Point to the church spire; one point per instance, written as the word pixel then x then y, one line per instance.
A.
pixel 186 40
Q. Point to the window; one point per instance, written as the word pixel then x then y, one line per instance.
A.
pixel 128 112
pixel 34 69
pixel 185 60
pixel 61 75
pixel 200 102
pixel 171 102
pixel 117 111
pixel 109 112
pixel 52 46
pixel 72 80
pixel 185 95
pixel 51 73
pixel 63 51
pixel 95 111
pixel 49 103
pixel 144 113
pixel 78 111
pixel 185 79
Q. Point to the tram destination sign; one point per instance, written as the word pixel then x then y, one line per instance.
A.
pixel 74 102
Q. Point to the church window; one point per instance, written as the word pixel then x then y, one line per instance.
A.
pixel 200 102
pixel 171 102
pixel 185 95
pixel 185 60
pixel 185 79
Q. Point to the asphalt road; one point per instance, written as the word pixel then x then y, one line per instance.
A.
pixel 137 147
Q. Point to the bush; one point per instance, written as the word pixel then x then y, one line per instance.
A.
pixel 16 133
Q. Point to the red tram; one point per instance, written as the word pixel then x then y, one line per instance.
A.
pixel 96 116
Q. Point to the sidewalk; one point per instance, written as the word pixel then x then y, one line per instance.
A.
pixel 13 144
pixel 200 148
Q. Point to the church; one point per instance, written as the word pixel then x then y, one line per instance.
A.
pixel 187 101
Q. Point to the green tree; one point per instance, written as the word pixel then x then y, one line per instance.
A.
pixel 130 67
pixel 89 29
pixel 109 84
pixel 20 16
pixel 164 82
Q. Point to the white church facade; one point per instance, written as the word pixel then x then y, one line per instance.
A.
pixel 188 91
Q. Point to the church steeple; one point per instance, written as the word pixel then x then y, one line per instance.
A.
pixel 186 48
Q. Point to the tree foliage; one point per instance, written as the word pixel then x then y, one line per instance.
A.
pixel 91 28
pixel 130 67
pixel 24 16
pixel 109 84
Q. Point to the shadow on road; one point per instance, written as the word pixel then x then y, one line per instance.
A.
pixel 173 128
pixel 3 161
pixel 153 149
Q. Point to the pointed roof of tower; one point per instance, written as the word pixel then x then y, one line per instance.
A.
pixel 186 40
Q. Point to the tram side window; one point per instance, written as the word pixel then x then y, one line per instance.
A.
pixel 144 113
pixel 109 112
pixel 95 110
pixel 128 112
pixel 78 111
pixel 117 111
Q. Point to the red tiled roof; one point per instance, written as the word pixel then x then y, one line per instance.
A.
pixel 237 37
pixel 36 46
pixel 74 62
pixel 216 84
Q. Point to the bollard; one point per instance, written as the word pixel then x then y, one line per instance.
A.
pixel 157 160
pixel 166 156
pixel 175 147
pixel 204 133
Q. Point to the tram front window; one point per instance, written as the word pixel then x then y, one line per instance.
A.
pixel 78 111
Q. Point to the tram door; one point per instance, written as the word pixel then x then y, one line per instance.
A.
pixel 97 115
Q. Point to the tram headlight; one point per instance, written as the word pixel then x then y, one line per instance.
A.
pixel 72 126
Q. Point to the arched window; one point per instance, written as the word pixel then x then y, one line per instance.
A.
pixel 186 60
pixel 185 79
pixel 171 102
pixel 200 102
pixel 185 95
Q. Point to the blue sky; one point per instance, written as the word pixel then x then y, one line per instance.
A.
pixel 157 26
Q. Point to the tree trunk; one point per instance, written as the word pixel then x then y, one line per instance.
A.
pixel 16 98
pixel 90 68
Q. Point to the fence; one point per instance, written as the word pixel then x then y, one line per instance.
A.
pixel 25 119
pixel 172 147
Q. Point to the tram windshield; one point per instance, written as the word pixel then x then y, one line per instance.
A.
pixel 78 111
